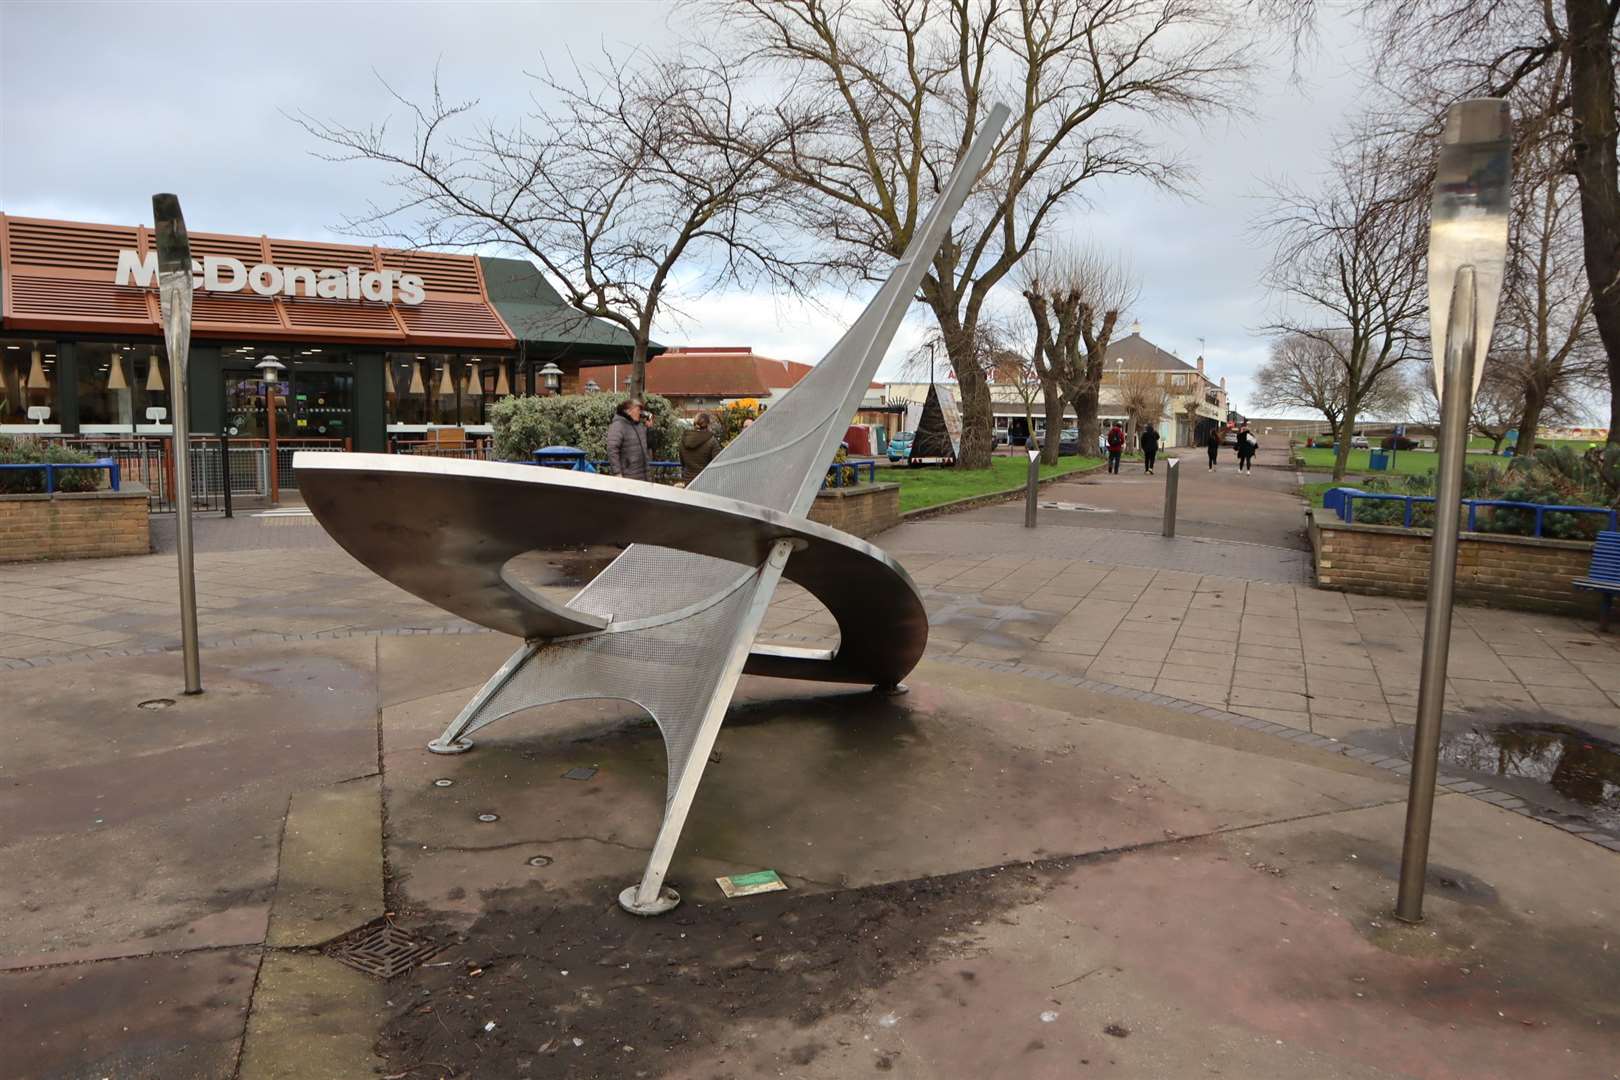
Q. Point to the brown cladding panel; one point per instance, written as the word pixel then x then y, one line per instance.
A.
pixel 58 276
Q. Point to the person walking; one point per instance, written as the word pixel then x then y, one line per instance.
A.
pixel 1149 441
pixel 627 441
pixel 1247 444
pixel 1102 443
pixel 698 447
pixel 1116 447
pixel 1212 443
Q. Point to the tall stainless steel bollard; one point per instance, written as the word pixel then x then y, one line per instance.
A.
pixel 1172 481
pixel 1034 482
pixel 174 294
pixel 1467 257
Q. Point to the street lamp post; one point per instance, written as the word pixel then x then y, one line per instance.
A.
pixel 270 373
pixel 1468 234
pixel 551 374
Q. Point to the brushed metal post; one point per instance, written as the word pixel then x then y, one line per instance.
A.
pixel 1172 481
pixel 1032 486
pixel 1454 410
pixel 174 295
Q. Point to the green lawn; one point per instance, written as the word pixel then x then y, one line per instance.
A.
pixel 931 486
pixel 1479 442
pixel 1407 462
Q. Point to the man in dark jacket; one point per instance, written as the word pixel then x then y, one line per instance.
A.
pixel 627 441
pixel 698 447
pixel 1116 447
pixel 1149 441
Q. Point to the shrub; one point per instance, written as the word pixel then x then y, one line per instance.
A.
pixel 38 452
pixel 1398 442
pixel 525 424
pixel 731 418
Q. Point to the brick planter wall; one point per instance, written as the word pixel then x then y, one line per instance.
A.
pixel 87 525
pixel 864 510
pixel 1502 571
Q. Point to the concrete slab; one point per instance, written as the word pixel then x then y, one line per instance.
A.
pixel 313 1019
pixel 830 788
pixel 131 831
pixel 331 871
pixel 176 1017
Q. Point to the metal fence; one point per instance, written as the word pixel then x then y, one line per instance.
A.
pixel 217 462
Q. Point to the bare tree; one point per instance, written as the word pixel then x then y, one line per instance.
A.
pixel 905 84
pixel 1496 407
pixel 1546 348
pixel 610 190
pixel 1142 395
pixel 1349 264
pixel 1076 298
pixel 1307 372
pixel 1442 50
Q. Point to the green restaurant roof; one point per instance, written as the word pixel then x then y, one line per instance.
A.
pixel 539 316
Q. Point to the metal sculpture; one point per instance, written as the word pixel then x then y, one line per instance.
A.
pixel 1468 239
pixel 174 299
pixel 670 624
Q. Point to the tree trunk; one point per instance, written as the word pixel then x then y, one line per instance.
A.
pixel 1054 423
pixel 1084 398
pixel 1341 443
pixel 977 418
pixel 1534 400
pixel 638 368
pixel 1496 445
pixel 1597 135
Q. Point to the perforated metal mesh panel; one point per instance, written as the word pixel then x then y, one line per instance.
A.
pixel 662 668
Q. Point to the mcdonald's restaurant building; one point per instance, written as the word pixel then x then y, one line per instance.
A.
pixel 377 346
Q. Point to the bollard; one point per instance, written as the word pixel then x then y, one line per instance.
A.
pixel 225 470
pixel 1034 482
pixel 1172 473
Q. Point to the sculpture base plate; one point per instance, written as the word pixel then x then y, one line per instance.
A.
pixel 667 900
pixel 456 746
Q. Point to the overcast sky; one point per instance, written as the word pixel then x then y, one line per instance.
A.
pixel 103 104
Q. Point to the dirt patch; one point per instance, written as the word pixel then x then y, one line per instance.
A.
pixel 589 991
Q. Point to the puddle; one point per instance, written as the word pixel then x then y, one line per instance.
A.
pixel 1582 768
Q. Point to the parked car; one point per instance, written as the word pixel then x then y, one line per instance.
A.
pixel 900 445
pixel 1069 441
pixel 1360 442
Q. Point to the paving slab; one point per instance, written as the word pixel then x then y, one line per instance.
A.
pixel 313 1019
pixel 178 1017
pixel 330 878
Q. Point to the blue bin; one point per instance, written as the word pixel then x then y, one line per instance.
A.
pixel 562 457
pixel 1378 461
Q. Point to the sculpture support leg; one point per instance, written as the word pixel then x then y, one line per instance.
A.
pixel 451 741
pixel 650 898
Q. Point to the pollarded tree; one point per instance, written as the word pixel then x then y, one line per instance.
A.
pixel 1076 298
pixel 1349 262
pixel 897 89
pixel 611 190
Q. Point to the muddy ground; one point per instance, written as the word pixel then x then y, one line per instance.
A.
pixel 584 990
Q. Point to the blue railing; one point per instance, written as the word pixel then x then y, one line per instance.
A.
pixel 114 476
pixel 835 472
pixel 1342 501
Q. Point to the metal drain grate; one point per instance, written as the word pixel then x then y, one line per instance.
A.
pixel 383 950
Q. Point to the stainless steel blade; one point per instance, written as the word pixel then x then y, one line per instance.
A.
pixel 1469 221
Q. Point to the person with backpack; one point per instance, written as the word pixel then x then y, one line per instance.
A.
pixel 1247 444
pixel 1149 441
pixel 1116 447
pixel 1212 443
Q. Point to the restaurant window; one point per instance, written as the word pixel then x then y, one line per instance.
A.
pixel 441 388
pixel 121 385
pixel 313 397
pixel 27 378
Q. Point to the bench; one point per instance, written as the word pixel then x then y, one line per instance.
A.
pixel 1603 577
